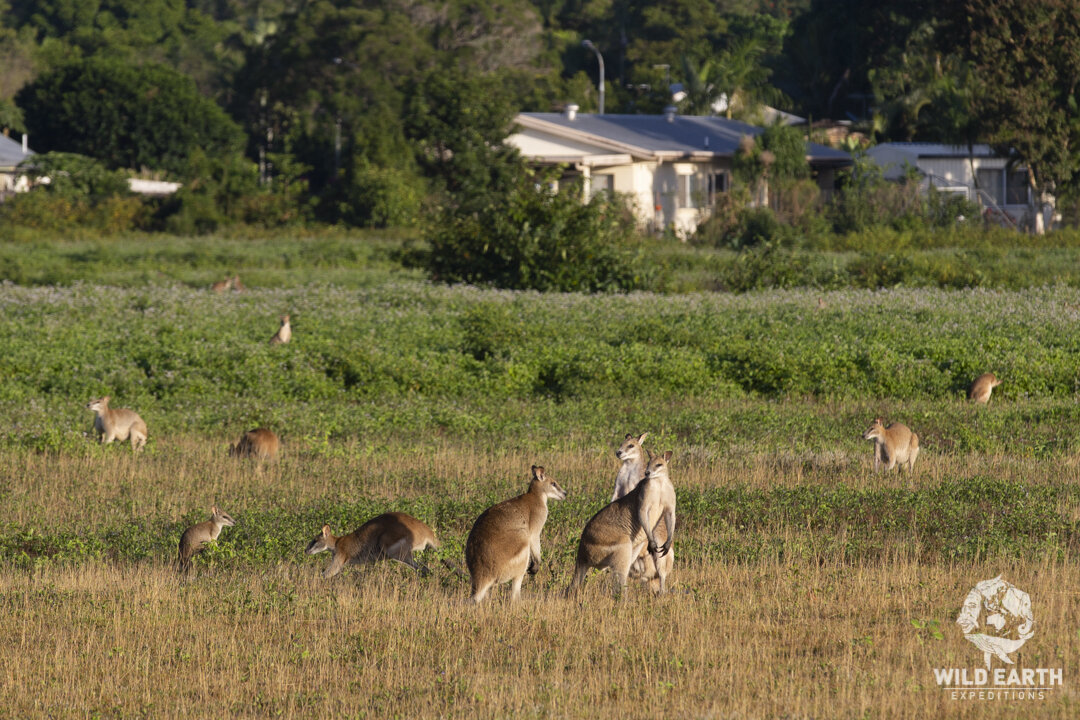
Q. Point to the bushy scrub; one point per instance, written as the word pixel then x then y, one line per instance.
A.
pixel 533 237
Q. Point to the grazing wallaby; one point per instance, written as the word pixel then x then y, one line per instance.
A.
pixel 237 286
pixel 982 387
pixel 633 465
pixel 284 333
pixel 260 443
pixel 504 541
pixel 893 444
pixel 119 424
pixel 633 533
pixel 222 285
pixel 391 536
pixel 193 539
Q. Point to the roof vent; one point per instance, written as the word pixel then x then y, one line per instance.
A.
pixel 571 111
pixel 706 142
pixel 669 113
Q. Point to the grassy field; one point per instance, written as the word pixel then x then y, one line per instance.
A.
pixel 805 585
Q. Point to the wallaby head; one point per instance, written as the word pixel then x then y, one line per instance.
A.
pixel 631 447
pixel 875 431
pixel 220 517
pixel 100 405
pixel 284 319
pixel 323 541
pixel 544 485
pixel 658 465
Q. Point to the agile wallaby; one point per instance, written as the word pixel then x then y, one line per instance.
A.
pixel 222 285
pixel 504 541
pixel 632 468
pixel 634 532
pixel 261 443
pixel 237 286
pixel 284 333
pixel 893 444
pixel 982 387
pixel 118 424
pixel 193 539
pixel 391 536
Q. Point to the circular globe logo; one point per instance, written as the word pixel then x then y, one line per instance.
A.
pixel 997 619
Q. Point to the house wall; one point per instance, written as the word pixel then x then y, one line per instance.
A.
pixel 533 142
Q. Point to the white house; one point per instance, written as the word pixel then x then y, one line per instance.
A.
pixel 673 166
pixel 11 154
pixel 980 175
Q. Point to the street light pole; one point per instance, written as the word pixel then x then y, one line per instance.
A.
pixel 588 44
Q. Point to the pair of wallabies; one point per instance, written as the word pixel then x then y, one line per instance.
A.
pixel 631 535
pixel 230 283
pixel 895 445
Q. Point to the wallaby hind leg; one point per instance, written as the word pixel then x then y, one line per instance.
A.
pixel 480 591
pixel 402 552
pixel 581 571
pixel 516 592
pixel 620 570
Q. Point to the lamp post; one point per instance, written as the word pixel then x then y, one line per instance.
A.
pixel 600 59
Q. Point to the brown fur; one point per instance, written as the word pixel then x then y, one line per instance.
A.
pixel 261 443
pixel 391 536
pixel 222 285
pixel 633 533
pixel 632 467
pixel 117 424
pixel 982 387
pixel 504 541
pixel 196 536
pixel 894 445
pixel 284 333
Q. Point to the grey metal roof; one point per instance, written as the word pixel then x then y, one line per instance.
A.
pixel 684 134
pixel 940 150
pixel 11 153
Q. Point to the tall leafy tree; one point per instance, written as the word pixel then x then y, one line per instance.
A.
pixel 126 116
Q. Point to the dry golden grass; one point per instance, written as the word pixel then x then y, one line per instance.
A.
pixel 761 640
pixel 793 636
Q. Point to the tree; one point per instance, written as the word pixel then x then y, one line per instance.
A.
pixel 1025 57
pixel 126 116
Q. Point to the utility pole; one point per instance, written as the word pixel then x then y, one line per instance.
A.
pixel 588 44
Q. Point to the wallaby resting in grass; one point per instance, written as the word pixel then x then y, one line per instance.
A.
pixel 222 285
pixel 193 539
pixel 634 532
pixel 118 424
pixel 261 443
pixel 632 468
pixel 284 333
pixel 982 387
pixel 391 536
pixel 237 286
pixel 893 444
pixel 504 541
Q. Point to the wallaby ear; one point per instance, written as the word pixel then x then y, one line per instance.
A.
pixel 538 472
pixel 105 398
pixel 326 531
pixel 641 439
pixel 647 452
pixel 213 510
pixel 628 436
pixel 667 455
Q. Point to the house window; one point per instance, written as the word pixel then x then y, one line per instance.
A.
pixel 690 192
pixel 718 184
pixel 601 184
pixel 1016 187
pixel 992 182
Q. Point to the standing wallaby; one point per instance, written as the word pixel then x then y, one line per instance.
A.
pixel 193 539
pixel 893 444
pixel 504 541
pixel 982 387
pixel 633 533
pixel 119 424
pixel 237 286
pixel 632 468
pixel 391 536
pixel 284 333
pixel 222 285
pixel 260 443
